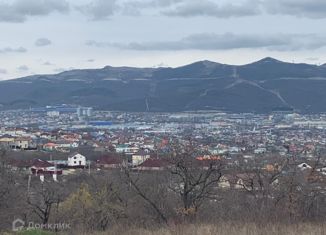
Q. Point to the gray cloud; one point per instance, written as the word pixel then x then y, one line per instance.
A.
pixel 279 42
pixel 153 3
pixel 99 9
pixel 210 8
pixel 22 68
pixel 41 42
pixel 20 10
pixel 300 8
pixel 104 9
pixel 3 71
pixel 315 9
pixel 136 7
pixel 12 50
pixel 48 63
pixel 99 44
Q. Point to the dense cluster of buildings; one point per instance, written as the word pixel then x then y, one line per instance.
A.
pixel 106 140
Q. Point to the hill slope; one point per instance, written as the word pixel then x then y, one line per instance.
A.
pixel 263 86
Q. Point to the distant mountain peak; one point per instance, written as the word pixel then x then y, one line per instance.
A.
pixel 268 60
pixel 205 63
pixel 208 62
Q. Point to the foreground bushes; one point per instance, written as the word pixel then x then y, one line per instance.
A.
pixel 184 199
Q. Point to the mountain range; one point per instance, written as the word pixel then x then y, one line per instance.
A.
pixel 263 86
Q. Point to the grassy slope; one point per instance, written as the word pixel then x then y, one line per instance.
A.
pixel 221 229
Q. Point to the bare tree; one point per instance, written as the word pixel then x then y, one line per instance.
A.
pixel 133 180
pixel 108 205
pixel 194 181
pixel 11 192
pixel 43 197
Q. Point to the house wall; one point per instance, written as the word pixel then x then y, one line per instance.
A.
pixel 21 144
pixel 77 160
pixel 139 159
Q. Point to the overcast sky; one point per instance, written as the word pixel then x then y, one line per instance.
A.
pixel 49 36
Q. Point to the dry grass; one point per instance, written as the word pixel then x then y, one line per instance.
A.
pixel 224 229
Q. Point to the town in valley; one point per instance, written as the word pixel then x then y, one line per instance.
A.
pixel 66 140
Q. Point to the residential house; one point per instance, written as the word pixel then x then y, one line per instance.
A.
pixel 126 148
pixel 153 164
pixel 139 157
pixel 76 160
pixel 21 143
pixel 50 146
pixel 7 140
pixel 109 162
pixel 260 150
pixel 41 167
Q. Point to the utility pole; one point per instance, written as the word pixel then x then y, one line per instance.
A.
pixel 29 184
